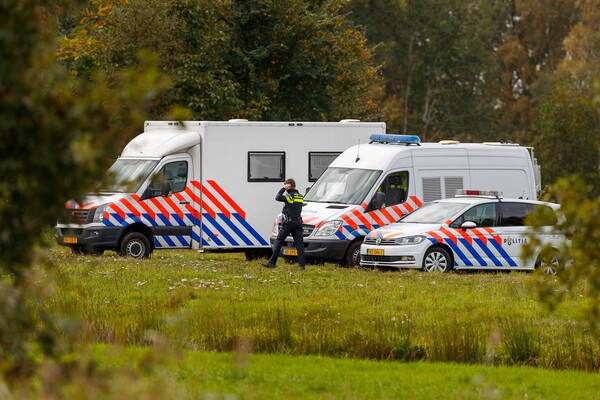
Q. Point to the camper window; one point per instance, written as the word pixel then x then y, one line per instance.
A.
pixel 318 163
pixel 266 166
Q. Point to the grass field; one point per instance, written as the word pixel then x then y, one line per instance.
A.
pixel 326 319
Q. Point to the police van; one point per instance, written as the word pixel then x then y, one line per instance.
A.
pixel 374 184
pixel 474 230
pixel 203 184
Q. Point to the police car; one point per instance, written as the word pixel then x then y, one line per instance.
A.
pixel 474 230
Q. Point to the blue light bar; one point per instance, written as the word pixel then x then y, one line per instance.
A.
pixel 400 139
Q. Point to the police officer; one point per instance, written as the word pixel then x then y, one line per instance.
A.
pixel 291 222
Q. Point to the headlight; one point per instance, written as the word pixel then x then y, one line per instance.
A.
pixel 329 228
pixel 410 240
pixel 99 213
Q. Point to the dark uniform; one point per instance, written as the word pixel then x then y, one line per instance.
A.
pixel 290 224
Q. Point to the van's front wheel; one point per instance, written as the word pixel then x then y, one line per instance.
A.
pixel 352 258
pixel 135 245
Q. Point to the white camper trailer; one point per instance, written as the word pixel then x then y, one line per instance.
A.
pixel 204 185
pixel 374 184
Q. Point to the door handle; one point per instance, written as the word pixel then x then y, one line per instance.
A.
pixel 184 202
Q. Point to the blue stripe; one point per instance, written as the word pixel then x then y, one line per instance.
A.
pixel 196 237
pixel 169 241
pixel 134 218
pixel 191 217
pixel 120 220
pixel 178 220
pixel 250 229
pixel 503 253
pixel 152 221
pixel 340 235
pixel 460 254
pixel 165 220
pixel 474 252
pixel 183 240
pixel 222 231
pixel 489 253
pixel 209 233
pixel 235 229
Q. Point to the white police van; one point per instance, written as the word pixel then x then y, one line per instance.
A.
pixel 474 230
pixel 374 184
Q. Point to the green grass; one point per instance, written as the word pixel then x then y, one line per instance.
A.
pixel 226 375
pixel 213 301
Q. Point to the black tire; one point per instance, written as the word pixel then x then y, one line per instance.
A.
pixel 437 259
pixel 136 245
pixel 87 251
pixel 352 258
pixel 255 254
pixel 549 262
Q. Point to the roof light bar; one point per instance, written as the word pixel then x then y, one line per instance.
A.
pixel 396 139
pixel 470 192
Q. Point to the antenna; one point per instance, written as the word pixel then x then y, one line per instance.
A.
pixel 357 152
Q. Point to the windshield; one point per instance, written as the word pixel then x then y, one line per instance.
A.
pixel 126 176
pixel 434 213
pixel 343 186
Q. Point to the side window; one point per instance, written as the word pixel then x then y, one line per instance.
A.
pixel 395 187
pixel 513 214
pixel 266 166
pixel 484 215
pixel 318 163
pixel 545 216
pixel 172 177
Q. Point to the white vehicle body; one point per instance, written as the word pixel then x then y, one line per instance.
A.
pixel 204 184
pixel 357 192
pixel 461 233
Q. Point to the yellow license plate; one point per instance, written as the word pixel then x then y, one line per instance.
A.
pixel 70 240
pixel 290 252
pixel 375 252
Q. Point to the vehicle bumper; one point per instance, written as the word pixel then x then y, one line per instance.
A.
pixel 324 250
pixel 393 257
pixel 98 237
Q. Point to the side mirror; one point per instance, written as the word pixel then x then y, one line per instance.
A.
pixel 468 225
pixel 377 201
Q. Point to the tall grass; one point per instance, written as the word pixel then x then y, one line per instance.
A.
pixel 215 301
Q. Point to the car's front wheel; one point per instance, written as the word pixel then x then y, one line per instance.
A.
pixel 437 259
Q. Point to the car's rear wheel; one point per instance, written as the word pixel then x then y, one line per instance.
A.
pixel 548 262
pixel 437 259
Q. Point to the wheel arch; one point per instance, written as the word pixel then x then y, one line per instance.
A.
pixel 443 246
pixel 139 228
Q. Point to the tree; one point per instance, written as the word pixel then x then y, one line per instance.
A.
pixel 566 131
pixel 532 46
pixel 580 213
pixel 566 134
pixel 57 136
pixel 257 59
pixel 438 64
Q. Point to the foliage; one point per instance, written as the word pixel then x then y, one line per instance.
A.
pixel 438 64
pixel 532 46
pixel 579 255
pixel 566 134
pixel 57 135
pixel 259 59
